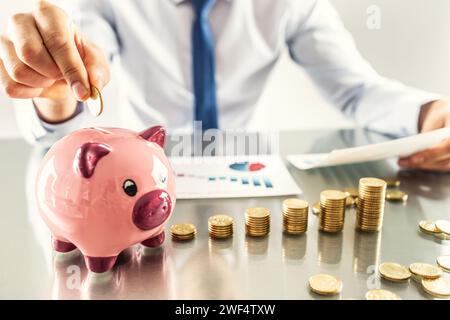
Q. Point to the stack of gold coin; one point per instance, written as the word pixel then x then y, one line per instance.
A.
pixel 427 271
pixel 371 200
pixel 220 226
pixel 257 222
pixel 183 231
pixel 332 210
pixel 394 272
pixel 379 294
pixel 396 195
pixel 439 287
pixel 325 284
pixel 295 216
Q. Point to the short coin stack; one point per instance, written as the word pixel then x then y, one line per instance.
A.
pixel 332 210
pixel 371 201
pixel 220 226
pixel 183 231
pixel 295 216
pixel 257 222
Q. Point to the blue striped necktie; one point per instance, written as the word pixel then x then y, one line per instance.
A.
pixel 204 66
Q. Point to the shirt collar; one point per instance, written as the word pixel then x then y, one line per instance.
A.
pixel 177 2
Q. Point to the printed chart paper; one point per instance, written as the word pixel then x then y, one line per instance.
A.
pixel 232 177
pixel 379 151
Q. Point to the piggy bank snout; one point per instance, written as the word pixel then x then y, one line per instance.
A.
pixel 152 209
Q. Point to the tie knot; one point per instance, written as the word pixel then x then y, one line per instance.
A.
pixel 202 6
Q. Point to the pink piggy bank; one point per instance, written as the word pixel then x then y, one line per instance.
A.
pixel 103 190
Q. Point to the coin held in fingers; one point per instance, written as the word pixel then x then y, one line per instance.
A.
pixel 95 102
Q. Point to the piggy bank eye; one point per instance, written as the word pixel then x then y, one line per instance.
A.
pixel 130 187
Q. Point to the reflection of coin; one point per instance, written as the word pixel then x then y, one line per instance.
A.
pixel 425 270
pixel 325 284
pixel 95 102
pixel 439 287
pixel 394 272
pixel 428 226
pixel 379 294
pixel 444 263
pixel 443 226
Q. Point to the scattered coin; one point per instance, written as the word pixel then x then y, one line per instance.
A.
pixel 351 192
pixel 350 201
pixel 332 210
pixel 428 226
pixel 396 195
pixel 392 182
pixel 379 294
pixel 444 263
pixel 316 208
pixel 439 287
pixel 371 200
pixel 425 270
pixel 295 216
pixel 95 102
pixel 220 226
pixel 394 272
pixel 183 231
pixel 257 222
pixel 443 226
pixel 325 284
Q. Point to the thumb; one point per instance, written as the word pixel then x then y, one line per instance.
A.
pixel 96 65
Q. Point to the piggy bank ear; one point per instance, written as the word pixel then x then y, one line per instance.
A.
pixel 155 134
pixel 87 157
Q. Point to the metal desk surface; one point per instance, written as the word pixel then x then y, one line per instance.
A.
pixel 275 267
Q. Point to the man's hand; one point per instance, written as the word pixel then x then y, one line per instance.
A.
pixel 44 57
pixel 434 115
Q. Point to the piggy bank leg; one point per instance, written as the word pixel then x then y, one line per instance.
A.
pixel 100 264
pixel 62 246
pixel 155 241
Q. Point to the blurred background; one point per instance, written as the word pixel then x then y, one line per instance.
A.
pixel 412 45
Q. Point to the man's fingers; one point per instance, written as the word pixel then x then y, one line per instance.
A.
pixel 433 154
pixel 29 46
pixel 58 35
pixel 96 65
pixel 17 70
pixel 16 90
pixel 439 166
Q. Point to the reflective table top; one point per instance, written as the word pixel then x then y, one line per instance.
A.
pixel 275 267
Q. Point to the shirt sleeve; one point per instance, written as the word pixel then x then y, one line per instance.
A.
pixel 319 42
pixel 96 21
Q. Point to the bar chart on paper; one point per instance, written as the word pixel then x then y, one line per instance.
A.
pixel 225 177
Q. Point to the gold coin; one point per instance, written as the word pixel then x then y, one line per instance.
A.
pixel 350 201
pixel 392 182
pixel 352 192
pixel 439 287
pixel 379 294
pixel 444 262
pixel 316 208
pixel 220 220
pixel 182 229
pixel 373 183
pixel 295 203
pixel 325 284
pixel 394 271
pixel 396 195
pixel 425 270
pixel 257 212
pixel 428 226
pixel 443 226
pixel 332 195
pixel 95 102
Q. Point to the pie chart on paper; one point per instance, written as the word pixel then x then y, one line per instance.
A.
pixel 247 166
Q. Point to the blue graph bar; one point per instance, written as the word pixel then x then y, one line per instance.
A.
pixel 267 182
pixel 233 179
pixel 212 178
pixel 244 180
pixel 256 181
pixel 222 178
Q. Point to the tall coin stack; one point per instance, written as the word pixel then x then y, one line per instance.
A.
pixel 332 210
pixel 295 216
pixel 372 195
pixel 220 226
pixel 257 222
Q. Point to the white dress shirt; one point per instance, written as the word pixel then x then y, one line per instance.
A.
pixel 153 40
